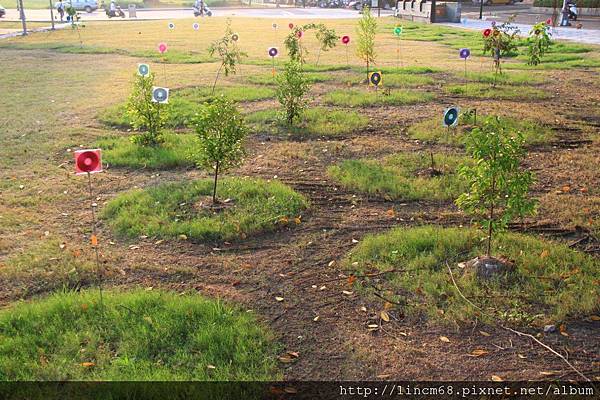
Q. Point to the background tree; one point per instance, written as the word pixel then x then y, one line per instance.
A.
pixel 292 87
pixel 145 115
pixel 538 42
pixel 500 41
pixel 228 52
pixel 221 129
pixel 498 185
pixel 366 31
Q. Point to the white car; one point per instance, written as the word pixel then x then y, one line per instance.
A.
pixel 81 5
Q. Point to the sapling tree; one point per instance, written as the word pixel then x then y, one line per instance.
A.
pixel 498 185
pixel 297 51
pixel 228 52
pixel 538 42
pixel 221 130
pixel 75 19
pixel 292 88
pixel 366 31
pixel 145 115
pixel 500 41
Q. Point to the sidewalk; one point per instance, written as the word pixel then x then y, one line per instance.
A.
pixel 588 36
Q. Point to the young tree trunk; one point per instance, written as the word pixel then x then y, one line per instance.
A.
pixel 215 185
pixel 216 78
pixel 491 219
pixel 367 71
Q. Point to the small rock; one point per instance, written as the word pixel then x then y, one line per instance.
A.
pixel 549 328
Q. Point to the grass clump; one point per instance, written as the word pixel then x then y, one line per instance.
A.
pixel 402 176
pixel 361 98
pixel 550 282
pixel 252 206
pixel 393 80
pixel 313 121
pixel 176 151
pixel 134 336
pixel 486 91
pixel 432 130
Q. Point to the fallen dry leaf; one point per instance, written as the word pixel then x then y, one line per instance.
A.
pixel 278 298
pixel 496 378
pixel 210 366
pixel 444 339
pixel 521 356
pixel 484 333
pixel 384 316
pixel 88 364
pixel 544 254
pixel 347 293
pixel 595 318
pixel 479 352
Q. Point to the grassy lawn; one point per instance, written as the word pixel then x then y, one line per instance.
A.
pixel 405 176
pixel 133 336
pixel 317 121
pixel 432 130
pixel 499 92
pixel 363 98
pixel 177 151
pixel 550 282
pixel 172 210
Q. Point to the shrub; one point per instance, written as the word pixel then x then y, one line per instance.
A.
pixel 297 52
pixel 538 42
pixel 221 130
pixel 144 114
pixel 292 87
pixel 498 185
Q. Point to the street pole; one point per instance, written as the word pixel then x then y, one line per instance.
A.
pixel 22 13
pixel 52 14
pixel 480 9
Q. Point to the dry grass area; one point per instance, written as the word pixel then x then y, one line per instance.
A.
pixel 58 88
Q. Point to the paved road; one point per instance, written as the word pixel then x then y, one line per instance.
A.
pixel 157 14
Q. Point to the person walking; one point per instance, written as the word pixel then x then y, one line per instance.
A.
pixel 60 7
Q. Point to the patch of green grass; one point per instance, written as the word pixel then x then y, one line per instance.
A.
pixel 405 176
pixel 315 121
pixel 563 65
pixel 410 70
pixel 133 336
pixel 234 93
pixel 49 264
pixel 397 80
pixel 185 103
pixel 176 151
pixel 171 210
pixel 486 91
pixel 550 281
pixel 506 78
pixel 364 98
pixel 432 130
pixel 268 79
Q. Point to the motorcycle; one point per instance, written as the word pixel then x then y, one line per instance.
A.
pixel 118 12
pixel 572 8
pixel 205 11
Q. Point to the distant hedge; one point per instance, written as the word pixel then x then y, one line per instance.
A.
pixel 580 3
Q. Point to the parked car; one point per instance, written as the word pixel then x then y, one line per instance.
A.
pixel 2 12
pixel 83 5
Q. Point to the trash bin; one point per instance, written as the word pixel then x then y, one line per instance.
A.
pixel 132 11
